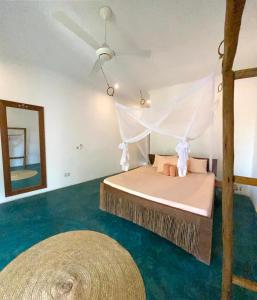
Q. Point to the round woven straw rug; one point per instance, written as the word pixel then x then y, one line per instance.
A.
pixel 73 265
pixel 22 174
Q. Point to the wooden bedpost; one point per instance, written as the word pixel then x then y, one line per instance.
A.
pixel 234 10
pixel 227 184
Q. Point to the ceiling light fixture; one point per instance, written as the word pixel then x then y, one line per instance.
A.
pixel 116 86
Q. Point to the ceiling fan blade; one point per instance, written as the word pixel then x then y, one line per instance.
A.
pixel 96 68
pixel 136 52
pixel 128 37
pixel 76 29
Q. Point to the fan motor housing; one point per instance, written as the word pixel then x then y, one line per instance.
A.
pixel 105 53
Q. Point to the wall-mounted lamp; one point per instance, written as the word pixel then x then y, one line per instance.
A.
pixel 143 102
pixel 148 103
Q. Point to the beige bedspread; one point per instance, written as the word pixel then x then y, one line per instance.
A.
pixel 193 193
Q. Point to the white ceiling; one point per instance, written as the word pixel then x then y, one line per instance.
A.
pixel 182 35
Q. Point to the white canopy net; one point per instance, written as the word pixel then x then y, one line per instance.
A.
pixel 186 118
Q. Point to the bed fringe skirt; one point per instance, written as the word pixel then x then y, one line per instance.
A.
pixel 182 233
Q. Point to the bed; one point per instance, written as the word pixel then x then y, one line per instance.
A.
pixel 179 209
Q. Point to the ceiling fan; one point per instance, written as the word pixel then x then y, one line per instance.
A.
pixel 104 52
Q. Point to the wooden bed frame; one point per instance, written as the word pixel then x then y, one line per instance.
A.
pixel 189 231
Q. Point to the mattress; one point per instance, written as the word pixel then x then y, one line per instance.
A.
pixel 193 193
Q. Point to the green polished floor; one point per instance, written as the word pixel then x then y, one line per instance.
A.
pixel 168 272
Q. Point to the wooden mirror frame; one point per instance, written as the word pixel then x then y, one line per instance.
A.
pixel 5 146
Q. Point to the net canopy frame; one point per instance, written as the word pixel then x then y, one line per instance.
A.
pixel 185 118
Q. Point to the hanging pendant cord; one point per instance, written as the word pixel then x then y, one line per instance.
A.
pixel 220 86
pixel 105 78
pixel 219 50
pixel 110 89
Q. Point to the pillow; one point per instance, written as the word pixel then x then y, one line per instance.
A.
pixel 197 165
pixel 166 169
pixel 173 170
pixel 173 160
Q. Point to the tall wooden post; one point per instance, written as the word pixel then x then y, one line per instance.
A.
pixel 234 11
pixel 227 184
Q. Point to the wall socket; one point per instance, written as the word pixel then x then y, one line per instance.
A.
pixel 67 174
pixel 80 147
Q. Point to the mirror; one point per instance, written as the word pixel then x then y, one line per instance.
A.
pixel 23 147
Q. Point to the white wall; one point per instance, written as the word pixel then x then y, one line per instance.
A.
pixel 74 114
pixel 245 119
pixel 245 129
pixel 17 117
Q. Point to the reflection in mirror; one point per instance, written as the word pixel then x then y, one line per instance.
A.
pixel 24 147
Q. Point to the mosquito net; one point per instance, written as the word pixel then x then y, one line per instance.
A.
pixel 186 117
